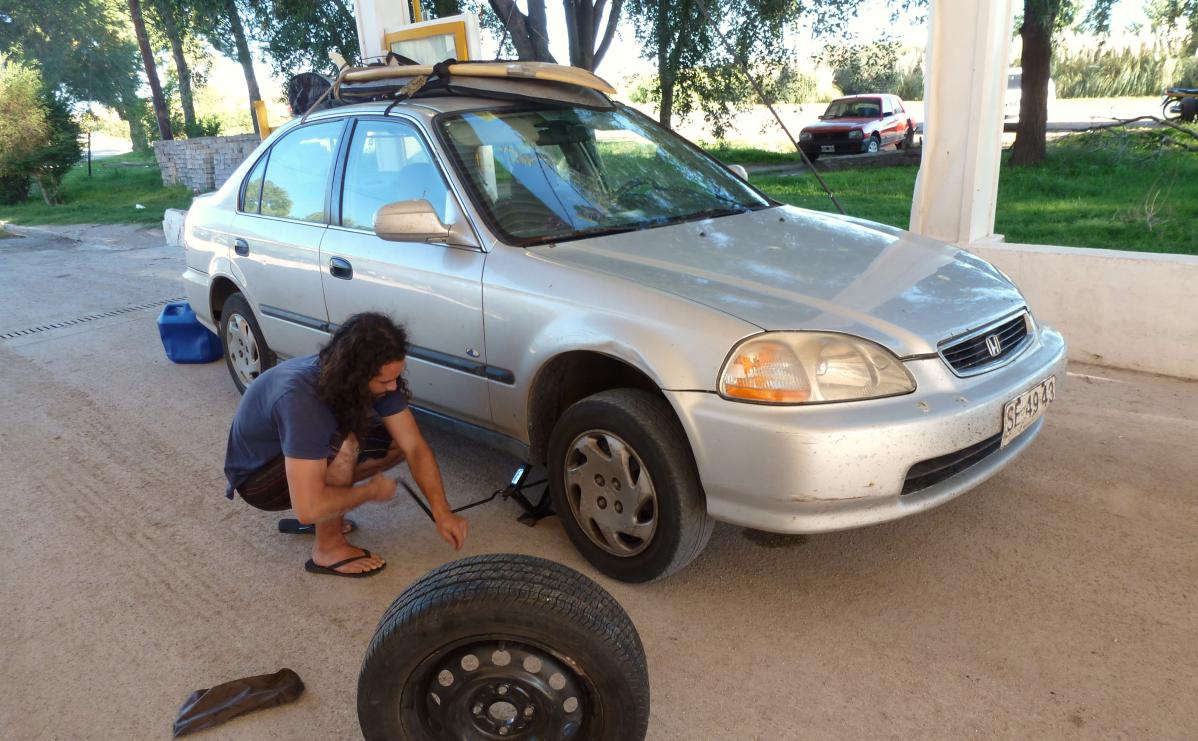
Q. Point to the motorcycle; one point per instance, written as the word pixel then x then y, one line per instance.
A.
pixel 1180 104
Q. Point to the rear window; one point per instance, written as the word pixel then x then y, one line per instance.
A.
pixel 297 173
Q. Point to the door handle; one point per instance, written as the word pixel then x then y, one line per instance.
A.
pixel 241 247
pixel 339 268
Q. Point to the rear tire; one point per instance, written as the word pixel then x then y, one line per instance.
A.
pixel 504 646
pixel 247 355
pixel 625 485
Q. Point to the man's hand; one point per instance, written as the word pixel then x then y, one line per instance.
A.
pixel 381 488
pixel 452 528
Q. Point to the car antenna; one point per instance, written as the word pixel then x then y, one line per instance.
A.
pixel 761 95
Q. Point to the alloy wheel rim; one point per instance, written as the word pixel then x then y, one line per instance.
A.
pixel 611 494
pixel 243 349
pixel 500 689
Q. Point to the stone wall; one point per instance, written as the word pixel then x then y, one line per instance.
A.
pixel 205 163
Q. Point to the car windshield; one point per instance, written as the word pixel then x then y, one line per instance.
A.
pixel 553 174
pixel 854 108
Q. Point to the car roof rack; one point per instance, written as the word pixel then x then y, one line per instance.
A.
pixel 400 79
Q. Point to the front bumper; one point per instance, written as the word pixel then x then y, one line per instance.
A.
pixel 840 466
pixel 839 145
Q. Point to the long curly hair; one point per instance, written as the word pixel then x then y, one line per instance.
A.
pixel 359 348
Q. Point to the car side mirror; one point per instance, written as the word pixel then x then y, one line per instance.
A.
pixel 739 171
pixel 417 221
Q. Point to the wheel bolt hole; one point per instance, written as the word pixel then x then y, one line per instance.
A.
pixel 478 708
pixel 599 480
pixel 570 705
pixel 502 689
pixel 602 503
pixel 532 664
pixel 615 484
pixel 557 681
pixel 445 678
pixel 619 508
pixel 501 658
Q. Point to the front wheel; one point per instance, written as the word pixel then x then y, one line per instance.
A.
pixel 504 646
pixel 246 353
pixel 874 144
pixel 624 483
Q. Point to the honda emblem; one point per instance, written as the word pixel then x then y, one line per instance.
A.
pixel 994 345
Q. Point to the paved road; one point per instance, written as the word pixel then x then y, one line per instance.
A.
pixel 1056 601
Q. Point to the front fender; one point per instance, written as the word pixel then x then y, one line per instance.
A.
pixel 536 310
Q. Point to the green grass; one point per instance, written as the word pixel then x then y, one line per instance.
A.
pixel 1106 189
pixel 109 196
pixel 735 154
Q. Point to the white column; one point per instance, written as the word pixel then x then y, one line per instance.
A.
pixel 969 45
pixel 374 18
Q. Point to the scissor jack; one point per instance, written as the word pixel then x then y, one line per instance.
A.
pixel 517 489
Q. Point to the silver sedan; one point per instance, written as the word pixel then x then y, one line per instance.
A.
pixel 595 294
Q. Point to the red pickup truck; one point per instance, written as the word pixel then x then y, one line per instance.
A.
pixel 859 123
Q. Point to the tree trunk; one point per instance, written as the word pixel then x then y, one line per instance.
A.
pixel 528 32
pixel 170 27
pixel 147 58
pixel 538 31
pixel 137 130
pixel 665 78
pixel 1030 138
pixel 243 56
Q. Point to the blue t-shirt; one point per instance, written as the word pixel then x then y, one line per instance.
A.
pixel 282 414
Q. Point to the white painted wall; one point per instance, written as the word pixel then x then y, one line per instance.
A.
pixel 1131 310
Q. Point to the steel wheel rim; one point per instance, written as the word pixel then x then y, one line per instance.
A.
pixel 873 145
pixel 493 688
pixel 611 494
pixel 242 348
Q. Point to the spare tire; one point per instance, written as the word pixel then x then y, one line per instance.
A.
pixel 504 646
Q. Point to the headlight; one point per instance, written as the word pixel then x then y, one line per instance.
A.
pixel 811 368
pixel 804 136
pixel 856 134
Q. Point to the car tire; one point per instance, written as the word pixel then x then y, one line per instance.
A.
pixel 247 355
pixel 504 646
pixel 813 156
pixel 907 141
pixel 624 483
pixel 875 144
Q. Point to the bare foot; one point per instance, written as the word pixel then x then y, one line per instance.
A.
pixel 328 556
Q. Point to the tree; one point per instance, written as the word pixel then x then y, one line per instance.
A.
pixel 527 31
pixel 696 70
pixel 83 49
pixel 23 128
pixel 590 28
pixel 1041 19
pixel 173 19
pixel 299 34
pixel 147 58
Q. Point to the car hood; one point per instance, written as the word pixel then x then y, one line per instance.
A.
pixel 788 268
pixel 837 124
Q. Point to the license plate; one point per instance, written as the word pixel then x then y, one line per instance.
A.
pixel 828 148
pixel 1019 413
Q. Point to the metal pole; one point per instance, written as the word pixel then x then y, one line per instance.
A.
pixel 89 153
pixel 765 101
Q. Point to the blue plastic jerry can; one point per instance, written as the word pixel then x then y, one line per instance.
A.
pixel 184 338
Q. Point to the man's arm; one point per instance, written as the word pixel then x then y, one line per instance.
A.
pixel 404 431
pixel 314 500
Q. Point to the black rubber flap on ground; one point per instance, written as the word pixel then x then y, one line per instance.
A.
pixel 224 702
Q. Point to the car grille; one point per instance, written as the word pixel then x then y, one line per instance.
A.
pixel 933 471
pixel 974 354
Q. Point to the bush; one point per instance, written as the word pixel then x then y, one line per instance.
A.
pixel 14 188
pixel 61 151
pixel 864 68
pixel 1109 73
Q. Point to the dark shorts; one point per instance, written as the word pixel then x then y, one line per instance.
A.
pixel 266 488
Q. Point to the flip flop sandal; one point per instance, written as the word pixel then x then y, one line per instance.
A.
pixel 293 526
pixel 331 569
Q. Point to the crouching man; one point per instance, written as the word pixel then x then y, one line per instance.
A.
pixel 309 428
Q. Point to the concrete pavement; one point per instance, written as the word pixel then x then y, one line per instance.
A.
pixel 1056 601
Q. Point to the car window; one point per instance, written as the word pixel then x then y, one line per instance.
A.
pixel 854 108
pixel 898 106
pixel 887 107
pixel 252 197
pixel 297 173
pixel 388 162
